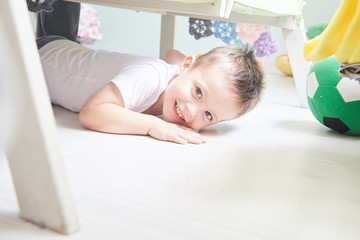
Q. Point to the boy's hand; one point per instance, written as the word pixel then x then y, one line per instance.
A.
pixel 171 132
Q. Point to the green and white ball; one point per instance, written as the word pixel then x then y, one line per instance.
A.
pixel 334 100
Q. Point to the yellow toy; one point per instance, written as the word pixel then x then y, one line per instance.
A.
pixel 282 63
pixel 341 37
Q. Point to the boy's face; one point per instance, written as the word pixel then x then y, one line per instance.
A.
pixel 199 98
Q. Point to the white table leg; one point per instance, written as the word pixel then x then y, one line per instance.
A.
pixel 294 41
pixel 168 34
pixel 28 133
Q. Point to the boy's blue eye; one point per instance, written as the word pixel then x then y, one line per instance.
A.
pixel 208 115
pixel 198 92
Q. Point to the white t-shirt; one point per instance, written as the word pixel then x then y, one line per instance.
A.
pixel 74 73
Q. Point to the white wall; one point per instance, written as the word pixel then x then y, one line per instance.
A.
pixel 139 32
pixel 126 30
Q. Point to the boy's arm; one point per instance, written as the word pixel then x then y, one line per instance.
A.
pixel 105 112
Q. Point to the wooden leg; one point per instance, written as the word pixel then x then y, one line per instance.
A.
pixel 168 34
pixel 28 133
pixel 294 40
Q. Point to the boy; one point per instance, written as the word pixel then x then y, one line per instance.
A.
pixel 123 94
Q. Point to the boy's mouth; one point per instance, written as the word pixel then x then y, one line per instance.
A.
pixel 177 112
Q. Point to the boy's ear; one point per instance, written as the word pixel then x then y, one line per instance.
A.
pixel 185 64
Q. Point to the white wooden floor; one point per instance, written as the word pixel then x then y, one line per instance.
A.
pixel 275 173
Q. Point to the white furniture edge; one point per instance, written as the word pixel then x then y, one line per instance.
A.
pixel 29 134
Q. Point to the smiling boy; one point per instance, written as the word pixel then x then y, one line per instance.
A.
pixel 123 93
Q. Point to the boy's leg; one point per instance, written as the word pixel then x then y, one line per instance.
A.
pixel 42 41
pixel 174 57
pixel 62 21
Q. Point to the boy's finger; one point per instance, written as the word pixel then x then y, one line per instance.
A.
pixel 201 137
pixel 180 140
pixel 196 138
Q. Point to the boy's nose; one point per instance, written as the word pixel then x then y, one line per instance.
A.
pixel 191 111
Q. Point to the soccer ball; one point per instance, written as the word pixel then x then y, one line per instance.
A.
pixel 334 100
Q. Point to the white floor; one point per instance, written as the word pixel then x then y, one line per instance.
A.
pixel 275 173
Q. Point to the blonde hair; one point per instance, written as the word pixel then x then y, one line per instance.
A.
pixel 243 70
